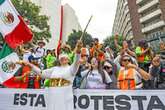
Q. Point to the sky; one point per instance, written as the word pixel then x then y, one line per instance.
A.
pixel 103 12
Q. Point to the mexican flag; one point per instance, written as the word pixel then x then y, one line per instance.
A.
pixel 8 68
pixel 12 26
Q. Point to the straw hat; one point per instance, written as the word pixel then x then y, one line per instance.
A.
pixel 41 42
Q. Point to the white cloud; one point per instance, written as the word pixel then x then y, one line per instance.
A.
pixel 103 12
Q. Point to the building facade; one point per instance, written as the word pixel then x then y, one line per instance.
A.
pixel 122 23
pixel 52 9
pixel 70 21
pixel 62 20
pixel 147 19
pixel 152 20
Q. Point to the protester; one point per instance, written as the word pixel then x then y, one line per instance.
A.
pixel 95 50
pixel 84 65
pixel 95 77
pixel 157 71
pixel 66 49
pixel 109 54
pixel 111 69
pixel 117 60
pixel 27 79
pixel 162 49
pixel 50 59
pixel 130 76
pixel 40 50
pixel 124 49
pixel 26 51
pixel 98 67
pixel 144 56
pixel 64 71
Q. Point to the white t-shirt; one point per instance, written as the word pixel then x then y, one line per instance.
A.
pixel 26 55
pixel 66 72
pixel 95 80
pixel 40 52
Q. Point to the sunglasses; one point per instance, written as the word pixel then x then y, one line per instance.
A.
pixel 84 55
pixel 107 67
pixel 126 60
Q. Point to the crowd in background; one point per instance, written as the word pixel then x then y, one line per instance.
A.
pixel 99 67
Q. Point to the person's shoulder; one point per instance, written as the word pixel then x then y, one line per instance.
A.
pixel 122 69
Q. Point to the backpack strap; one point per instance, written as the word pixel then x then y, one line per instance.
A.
pixel 84 81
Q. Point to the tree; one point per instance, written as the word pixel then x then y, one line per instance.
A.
pixel 75 35
pixel 109 41
pixel 37 23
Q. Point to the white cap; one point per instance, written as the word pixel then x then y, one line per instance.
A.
pixel 63 56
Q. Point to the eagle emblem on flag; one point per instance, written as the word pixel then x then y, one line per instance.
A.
pixel 8 67
pixel 7 18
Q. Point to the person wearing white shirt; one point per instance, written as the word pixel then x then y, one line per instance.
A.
pixel 64 72
pixel 40 51
pixel 95 77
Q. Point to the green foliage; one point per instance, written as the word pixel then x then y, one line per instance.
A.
pixel 109 41
pixel 38 23
pixel 75 35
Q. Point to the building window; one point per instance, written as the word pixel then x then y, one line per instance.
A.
pixel 144 3
pixel 155 20
pixel 152 9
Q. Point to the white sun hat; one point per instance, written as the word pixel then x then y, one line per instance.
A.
pixel 63 56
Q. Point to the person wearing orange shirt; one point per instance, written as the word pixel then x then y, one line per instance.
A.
pixel 27 79
pixel 130 76
pixel 96 51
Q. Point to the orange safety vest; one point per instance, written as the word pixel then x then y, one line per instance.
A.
pixel 141 57
pixel 126 81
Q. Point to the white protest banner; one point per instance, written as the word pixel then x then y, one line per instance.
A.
pixel 36 99
pixel 119 100
pixel 62 99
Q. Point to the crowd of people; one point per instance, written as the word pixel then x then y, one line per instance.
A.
pixel 93 67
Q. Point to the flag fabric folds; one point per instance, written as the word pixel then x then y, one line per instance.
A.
pixel 61 30
pixel 8 67
pixel 12 26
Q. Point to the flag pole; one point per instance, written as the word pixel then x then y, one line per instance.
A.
pixel 86 28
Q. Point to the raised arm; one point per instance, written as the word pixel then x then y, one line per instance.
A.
pixel 43 73
pixel 74 67
pixel 144 74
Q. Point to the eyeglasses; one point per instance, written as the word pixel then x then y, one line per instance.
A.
pixel 63 58
pixel 126 60
pixel 156 61
pixel 107 67
pixel 84 55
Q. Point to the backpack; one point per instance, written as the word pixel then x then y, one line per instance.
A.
pixel 84 80
pixel 38 48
